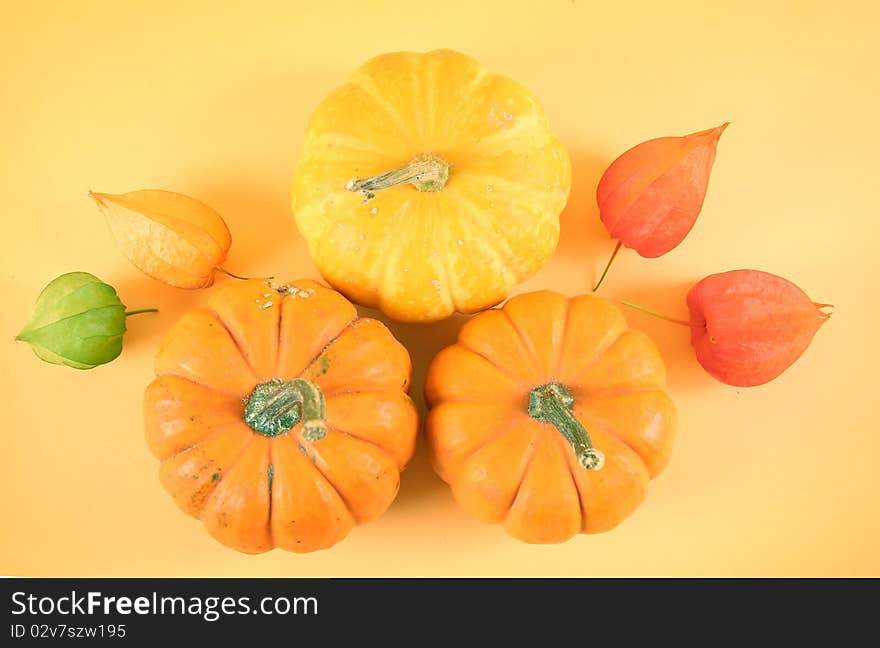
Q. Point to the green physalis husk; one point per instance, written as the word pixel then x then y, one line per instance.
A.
pixel 78 321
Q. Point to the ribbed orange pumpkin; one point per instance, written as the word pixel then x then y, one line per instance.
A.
pixel 549 416
pixel 280 418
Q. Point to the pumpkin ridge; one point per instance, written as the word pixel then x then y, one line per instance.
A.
pixel 315 476
pixel 269 532
pixel 416 80
pixel 529 122
pixel 614 392
pixel 278 335
pixel 488 237
pixel 371 390
pixel 202 385
pixel 444 261
pixel 532 451
pixel 317 204
pixel 351 435
pixel 560 350
pixel 653 379
pixel 214 483
pixel 343 141
pixel 235 341
pixel 363 81
pixel 528 345
pixel 227 469
pixel 330 483
pixel 213 389
pixel 500 181
pixel 482 76
pixel 330 343
pixel 317 355
pixel 598 355
pixel 214 434
pixel 394 252
pixel 240 344
pixel 498 432
pixel 171 398
pixel 581 508
pixel 492 216
pixel 485 77
pixel 572 464
pixel 602 425
pixel 517 379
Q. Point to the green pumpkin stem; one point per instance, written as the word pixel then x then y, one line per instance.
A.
pixel 275 406
pixel 552 403
pixel 426 172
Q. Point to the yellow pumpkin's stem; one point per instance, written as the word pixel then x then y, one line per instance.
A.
pixel 141 310
pixel 607 265
pixel 235 276
pixel 661 316
pixel 552 403
pixel 426 172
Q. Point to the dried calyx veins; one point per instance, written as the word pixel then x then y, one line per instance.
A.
pixel 552 403
pixel 275 406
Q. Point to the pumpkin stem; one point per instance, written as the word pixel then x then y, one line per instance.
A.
pixel 427 172
pixel 661 316
pixel 275 406
pixel 607 265
pixel 552 403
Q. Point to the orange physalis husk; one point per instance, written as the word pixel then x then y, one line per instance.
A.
pixel 748 326
pixel 650 197
pixel 171 237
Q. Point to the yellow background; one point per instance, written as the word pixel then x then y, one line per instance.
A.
pixel 211 99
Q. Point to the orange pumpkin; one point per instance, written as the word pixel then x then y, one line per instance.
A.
pixel 279 417
pixel 549 416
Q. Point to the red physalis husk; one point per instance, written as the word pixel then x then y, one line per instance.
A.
pixel 650 197
pixel 748 326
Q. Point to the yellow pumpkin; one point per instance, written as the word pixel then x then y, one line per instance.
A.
pixel 427 185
